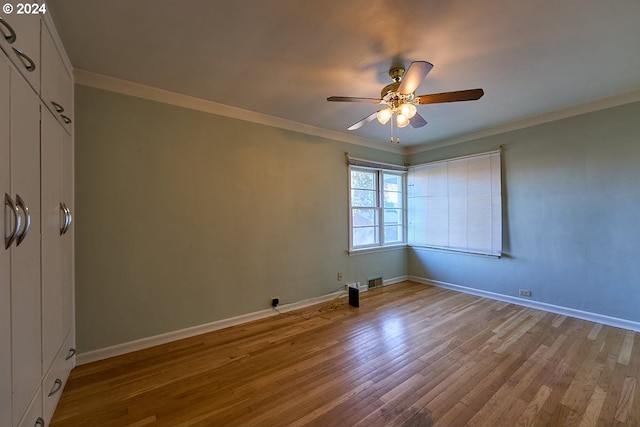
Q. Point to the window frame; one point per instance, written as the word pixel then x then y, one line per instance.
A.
pixel 379 209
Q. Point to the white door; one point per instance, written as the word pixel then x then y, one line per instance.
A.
pixel 67 238
pixel 52 304
pixel 5 254
pixel 25 254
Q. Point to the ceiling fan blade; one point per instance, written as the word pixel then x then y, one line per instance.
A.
pixel 416 73
pixel 353 99
pixel 459 95
pixel 417 121
pixel 362 122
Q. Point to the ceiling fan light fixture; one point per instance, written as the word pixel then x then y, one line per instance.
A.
pixel 401 120
pixel 408 110
pixel 383 116
pixel 399 98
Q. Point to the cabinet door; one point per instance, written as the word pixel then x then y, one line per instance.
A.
pixel 56 87
pixel 50 77
pixel 52 303
pixel 25 256
pixel 5 254
pixel 67 238
pixel 66 95
pixel 20 39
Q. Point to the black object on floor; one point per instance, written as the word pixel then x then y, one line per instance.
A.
pixel 354 296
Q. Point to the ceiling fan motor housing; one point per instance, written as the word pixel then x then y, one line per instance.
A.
pixel 396 73
pixel 390 88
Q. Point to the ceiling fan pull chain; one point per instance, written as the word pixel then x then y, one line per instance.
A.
pixel 391 127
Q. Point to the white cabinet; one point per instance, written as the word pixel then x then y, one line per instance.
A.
pixel 5 255
pixel 53 334
pixel 67 244
pixel 36 259
pixel 57 263
pixel 20 39
pixel 26 346
pixel 56 146
pixel 20 260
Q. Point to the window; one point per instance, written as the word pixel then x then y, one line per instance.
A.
pixel 457 204
pixel 377 207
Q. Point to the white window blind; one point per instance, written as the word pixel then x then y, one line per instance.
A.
pixel 456 204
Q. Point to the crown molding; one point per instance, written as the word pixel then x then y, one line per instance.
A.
pixel 112 84
pixel 576 110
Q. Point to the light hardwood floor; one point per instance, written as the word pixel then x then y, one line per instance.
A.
pixel 411 355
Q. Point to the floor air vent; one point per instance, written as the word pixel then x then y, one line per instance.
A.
pixel 374 283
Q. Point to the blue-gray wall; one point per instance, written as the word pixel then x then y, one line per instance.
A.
pixel 185 218
pixel 571 224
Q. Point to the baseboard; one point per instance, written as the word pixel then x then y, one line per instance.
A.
pixel 141 344
pixel 394 280
pixel 566 311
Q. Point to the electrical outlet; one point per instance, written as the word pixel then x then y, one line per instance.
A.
pixel 275 301
pixel 339 276
pixel 525 292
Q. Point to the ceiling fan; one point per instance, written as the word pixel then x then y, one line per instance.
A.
pixel 399 97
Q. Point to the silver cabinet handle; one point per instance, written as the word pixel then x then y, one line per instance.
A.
pixel 11 38
pixel 39 422
pixel 27 219
pixel 57 385
pixel 65 218
pixel 8 240
pixel 66 119
pixel 28 62
pixel 68 218
pixel 72 352
pixel 59 108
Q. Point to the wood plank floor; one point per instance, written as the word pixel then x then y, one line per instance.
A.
pixel 411 355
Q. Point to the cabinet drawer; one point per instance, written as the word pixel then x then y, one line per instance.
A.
pixel 56 378
pixel 33 416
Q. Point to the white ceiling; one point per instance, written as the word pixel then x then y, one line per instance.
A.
pixel 283 58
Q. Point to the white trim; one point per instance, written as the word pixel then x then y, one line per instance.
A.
pixel 566 311
pixel 372 164
pixel 112 84
pixel 394 280
pixel 575 110
pixel 453 250
pixel 379 210
pixel 100 81
pixel 363 287
pixel 128 347
pixel 374 249
pixel 469 156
